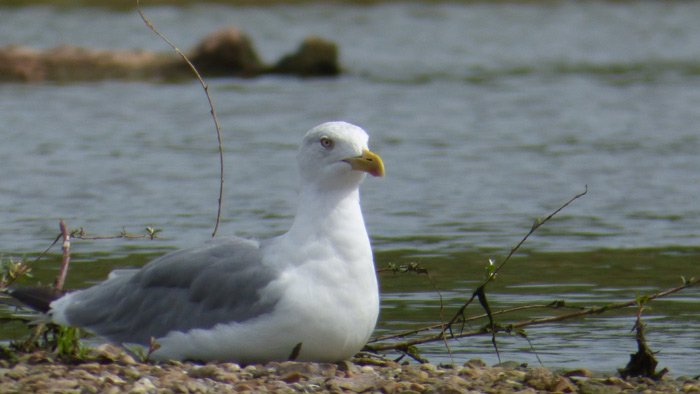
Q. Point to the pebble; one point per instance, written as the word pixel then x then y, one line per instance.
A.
pixel 113 375
pixel 579 372
pixel 143 386
pixel 111 379
pixel 206 371
pixel 367 368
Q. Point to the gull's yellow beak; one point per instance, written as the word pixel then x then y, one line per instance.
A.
pixel 368 162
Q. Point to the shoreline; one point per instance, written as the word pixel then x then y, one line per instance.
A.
pixel 113 371
pixel 120 4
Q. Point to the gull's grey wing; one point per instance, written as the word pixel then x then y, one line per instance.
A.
pixel 218 282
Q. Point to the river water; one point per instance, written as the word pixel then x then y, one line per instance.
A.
pixel 488 116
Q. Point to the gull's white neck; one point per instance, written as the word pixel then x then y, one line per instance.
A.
pixel 329 281
pixel 329 213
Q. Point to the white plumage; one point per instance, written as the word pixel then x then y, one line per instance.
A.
pixel 309 294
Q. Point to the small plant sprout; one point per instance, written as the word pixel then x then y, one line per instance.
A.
pixel 153 232
pixel 491 269
pixel 12 269
pixel 68 345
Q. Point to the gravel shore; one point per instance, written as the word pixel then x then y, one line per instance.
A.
pixel 116 372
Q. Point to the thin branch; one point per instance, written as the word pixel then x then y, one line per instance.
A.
pixel 42 254
pixel 594 310
pixel 408 333
pixel 601 309
pixel 479 293
pixel 151 233
pixel 536 225
pixel 65 260
pixel 211 106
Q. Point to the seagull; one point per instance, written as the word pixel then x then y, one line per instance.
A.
pixel 310 294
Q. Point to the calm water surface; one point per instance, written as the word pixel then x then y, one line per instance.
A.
pixel 487 116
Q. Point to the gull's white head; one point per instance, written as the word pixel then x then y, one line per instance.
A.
pixel 335 155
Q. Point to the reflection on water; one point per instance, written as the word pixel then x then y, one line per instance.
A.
pixel 487 116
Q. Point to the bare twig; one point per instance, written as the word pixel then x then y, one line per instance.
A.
pixel 151 233
pixel 80 233
pixel 408 333
pixel 537 224
pixel 415 267
pixel 480 290
pixel 586 311
pixel 211 106
pixel 42 254
pixel 65 260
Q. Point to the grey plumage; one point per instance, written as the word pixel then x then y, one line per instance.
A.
pixel 310 294
pixel 201 287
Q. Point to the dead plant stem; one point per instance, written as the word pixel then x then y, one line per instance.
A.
pixel 382 344
pixel 205 86
pixel 65 259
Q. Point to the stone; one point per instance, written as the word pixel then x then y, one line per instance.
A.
pixel 453 385
pixel 579 372
pixel 244 387
pixel 143 386
pixel 615 381
pixel 292 377
pixel 205 371
pixel 563 385
pixel 510 365
pixel 230 367
pixel 366 368
pixel 112 390
pixel 69 62
pixel 18 372
pixel 226 52
pixel 358 383
pixel 475 363
pixel 112 379
pixel 109 352
pixel 539 378
pixel 131 373
pixel 286 377
pixel 389 387
pixel 314 57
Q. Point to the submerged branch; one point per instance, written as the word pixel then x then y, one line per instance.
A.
pixel 408 333
pixel 459 315
pixel 384 344
pixel 480 291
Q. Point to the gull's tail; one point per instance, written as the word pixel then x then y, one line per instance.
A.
pixel 37 298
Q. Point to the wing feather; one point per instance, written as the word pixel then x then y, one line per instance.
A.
pixel 218 282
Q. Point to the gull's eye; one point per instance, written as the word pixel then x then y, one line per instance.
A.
pixel 326 143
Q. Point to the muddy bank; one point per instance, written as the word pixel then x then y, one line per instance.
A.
pixel 113 372
pixel 226 52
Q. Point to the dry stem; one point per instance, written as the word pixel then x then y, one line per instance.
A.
pixel 65 260
pixel 383 345
pixel 480 290
pixel 211 106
